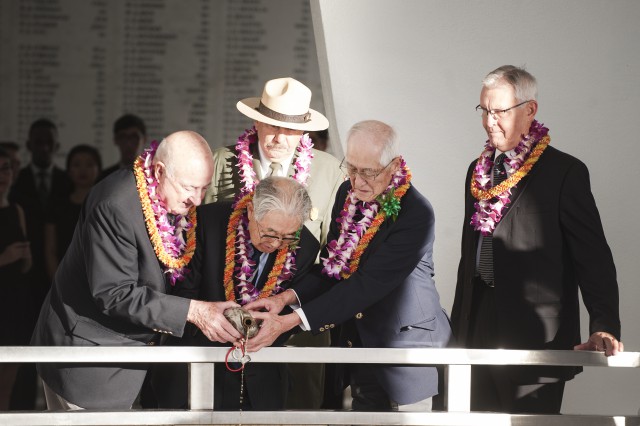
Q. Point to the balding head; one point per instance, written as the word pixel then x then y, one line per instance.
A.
pixel 183 165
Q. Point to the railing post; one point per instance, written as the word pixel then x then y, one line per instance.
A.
pixel 201 376
pixel 459 388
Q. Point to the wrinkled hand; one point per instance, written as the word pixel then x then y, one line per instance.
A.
pixel 603 342
pixel 209 318
pixel 16 251
pixel 273 304
pixel 273 325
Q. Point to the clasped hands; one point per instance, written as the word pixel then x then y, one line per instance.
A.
pixel 209 318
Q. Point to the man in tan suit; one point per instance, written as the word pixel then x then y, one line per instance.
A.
pixel 282 119
pixel 279 145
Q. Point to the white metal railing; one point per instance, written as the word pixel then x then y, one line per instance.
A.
pixel 201 360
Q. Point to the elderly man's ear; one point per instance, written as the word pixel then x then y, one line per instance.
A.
pixel 532 109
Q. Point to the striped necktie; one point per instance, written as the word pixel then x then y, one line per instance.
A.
pixel 485 265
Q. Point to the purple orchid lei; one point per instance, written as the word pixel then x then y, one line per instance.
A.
pixel 171 235
pixel 489 212
pixel 341 249
pixel 245 267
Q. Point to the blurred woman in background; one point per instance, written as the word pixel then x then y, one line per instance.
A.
pixel 15 261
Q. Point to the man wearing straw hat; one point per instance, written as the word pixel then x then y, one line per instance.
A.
pixel 279 145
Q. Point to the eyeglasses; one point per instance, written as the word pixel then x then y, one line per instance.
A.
pixel 366 174
pixel 497 113
pixel 276 239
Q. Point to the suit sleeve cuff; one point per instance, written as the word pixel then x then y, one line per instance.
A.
pixel 305 323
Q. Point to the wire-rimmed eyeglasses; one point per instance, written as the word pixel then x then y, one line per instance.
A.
pixel 497 113
pixel 366 174
pixel 277 239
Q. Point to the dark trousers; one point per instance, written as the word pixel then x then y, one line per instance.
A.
pixel 366 391
pixel 492 387
pixel 492 390
pixel 267 384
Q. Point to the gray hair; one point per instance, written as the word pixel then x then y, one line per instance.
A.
pixel 382 134
pixel 281 194
pixel 523 83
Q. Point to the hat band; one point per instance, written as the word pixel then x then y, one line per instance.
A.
pixel 268 112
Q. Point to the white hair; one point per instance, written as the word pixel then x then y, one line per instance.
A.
pixel 523 83
pixel 381 133
pixel 281 194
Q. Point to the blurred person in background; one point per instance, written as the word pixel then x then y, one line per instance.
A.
pixel 83 167
pixel 36 187
pixel 130 136
pixel 15 261
pixel 13 149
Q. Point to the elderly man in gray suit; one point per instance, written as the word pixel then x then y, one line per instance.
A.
pixel 112 286
pixel 279 144
pixel 375 278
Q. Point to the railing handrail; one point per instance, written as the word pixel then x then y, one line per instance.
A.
pixel 201 376
pixel 448 356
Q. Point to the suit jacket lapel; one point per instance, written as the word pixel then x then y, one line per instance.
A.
pixel 378 238
pixel 517 190
pixel 292 169
pixel 255 153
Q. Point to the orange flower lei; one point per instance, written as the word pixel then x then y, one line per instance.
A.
pixel 373 229
pixel 512 180
pixel 174 265
pixel 273 279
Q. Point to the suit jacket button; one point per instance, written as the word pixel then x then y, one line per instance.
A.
pixel 349 344
pixel 321 328
pixel 151 343
pixel 332 326
pixel 359 315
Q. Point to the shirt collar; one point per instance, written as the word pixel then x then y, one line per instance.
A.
pixel 36 170
pixel 265 162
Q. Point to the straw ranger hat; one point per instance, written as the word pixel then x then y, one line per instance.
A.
pixel 284 103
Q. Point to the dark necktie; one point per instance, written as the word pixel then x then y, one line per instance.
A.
pixel 256 258
pixel 485 265
pixel 42 189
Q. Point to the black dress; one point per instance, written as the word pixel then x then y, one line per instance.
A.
pixel 15 307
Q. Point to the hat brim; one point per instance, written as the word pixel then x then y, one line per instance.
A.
pixel 316 121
